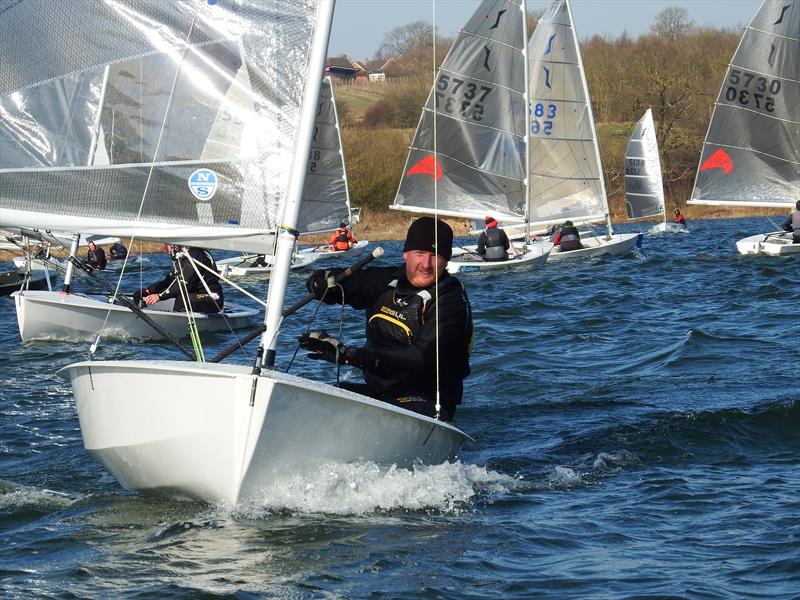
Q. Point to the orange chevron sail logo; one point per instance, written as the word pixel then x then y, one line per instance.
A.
pixel 718 160
pixel 427 166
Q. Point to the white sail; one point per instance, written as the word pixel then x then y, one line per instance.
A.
pixel 565 170
pixel 477 159
pixel 326 199
pixel 751 154
pixel 152 102
pixel 644 189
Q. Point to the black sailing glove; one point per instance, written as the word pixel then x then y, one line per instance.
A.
pixel 320 281
pixel 323 347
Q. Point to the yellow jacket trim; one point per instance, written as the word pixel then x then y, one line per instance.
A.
pixel 400 324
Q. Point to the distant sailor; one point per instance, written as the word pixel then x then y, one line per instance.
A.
pixel 568 238
pixel 342 239
pixel 201 288
pixel 96 257
pixel 399 360
pixel 493 242
pixel 118 251
pixel 679 218
pixel 792 224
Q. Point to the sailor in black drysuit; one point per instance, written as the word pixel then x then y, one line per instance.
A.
pixel 399 357
pixel 195 291
pixel 493 242
pixel 792 224
pixel 567 238
pixel 95 257
pixel 118 251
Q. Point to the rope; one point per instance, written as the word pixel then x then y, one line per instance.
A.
pixel 435 225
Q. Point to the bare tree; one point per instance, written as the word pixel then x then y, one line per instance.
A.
pixel 672 22
pixel 405 39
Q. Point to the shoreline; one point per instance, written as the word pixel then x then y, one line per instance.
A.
pixel 386 226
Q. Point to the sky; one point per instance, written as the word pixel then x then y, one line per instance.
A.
pixel 360 25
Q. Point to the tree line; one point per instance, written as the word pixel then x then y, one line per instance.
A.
pixel 676 70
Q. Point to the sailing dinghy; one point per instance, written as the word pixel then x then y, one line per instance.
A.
pixel 751 154
pixel 644 187
pixel 216 432
pixel 469 154
pixel 565 170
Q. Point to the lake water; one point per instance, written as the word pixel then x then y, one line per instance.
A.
pixel 638 428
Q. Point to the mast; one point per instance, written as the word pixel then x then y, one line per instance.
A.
pixel 527 96
pixel 287 230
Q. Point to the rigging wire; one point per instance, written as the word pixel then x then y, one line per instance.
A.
pixel 436 216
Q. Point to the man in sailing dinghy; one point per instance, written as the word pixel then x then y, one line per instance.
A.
pixel 201 289
pixel 493 242
pixel 679 218
pixel 567 238
pixel 399 359
pixel 792 224
pixel 118 251
pixel 95 257
pixel 342 239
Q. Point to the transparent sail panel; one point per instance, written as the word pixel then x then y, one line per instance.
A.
pixel 477 110
pixel 326 202
pixel 565 171
pixel 644 190
pixel 186 109
pixel 751 154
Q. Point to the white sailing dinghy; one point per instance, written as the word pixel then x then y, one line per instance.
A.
pixel 469 154
pixel 326 199
pixel 644 187
pixel 216 432
pixel 751 154
pixel 565 169
pixel 326 195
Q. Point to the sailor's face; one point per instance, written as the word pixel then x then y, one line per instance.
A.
pixel 423 268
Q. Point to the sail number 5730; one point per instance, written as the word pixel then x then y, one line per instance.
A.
pixel 751 90
pixel 464 98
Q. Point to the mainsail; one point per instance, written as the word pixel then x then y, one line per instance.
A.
pixel 149 92
pixel 644 190
pixel 751 154
pixel 326 200
pixel 566 174
pixel 476 158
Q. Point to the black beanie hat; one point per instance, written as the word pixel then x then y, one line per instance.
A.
pixel 421 236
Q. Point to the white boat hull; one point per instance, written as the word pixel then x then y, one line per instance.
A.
pixel 55 315
pixel 620 243
pixel 218 433
pixel 327 252
pixel 37 264
pixel 777 243
pixel 668 228
pixel 464 259
pixel 239 266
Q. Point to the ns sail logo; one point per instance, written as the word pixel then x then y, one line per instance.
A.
pixel 203 184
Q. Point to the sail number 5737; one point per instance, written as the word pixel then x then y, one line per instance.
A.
pixel 751 90
pixel 460 97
